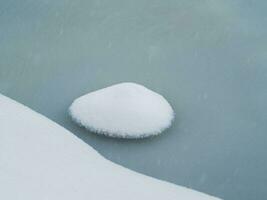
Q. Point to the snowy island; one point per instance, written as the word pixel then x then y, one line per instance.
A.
pixel 125 110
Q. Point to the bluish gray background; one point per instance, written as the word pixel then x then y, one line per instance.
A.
pixel 208 58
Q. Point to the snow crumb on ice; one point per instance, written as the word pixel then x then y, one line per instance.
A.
pixel 41 160
pixel 126 110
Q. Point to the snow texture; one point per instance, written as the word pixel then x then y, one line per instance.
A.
pixel 41 160
pixel 126 110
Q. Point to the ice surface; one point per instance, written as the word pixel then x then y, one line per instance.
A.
pixel 41 160
pixel 208 58
pixel 126 110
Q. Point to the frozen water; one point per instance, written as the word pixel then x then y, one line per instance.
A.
pixel 41 160
pixel 208 58
pixel 126 110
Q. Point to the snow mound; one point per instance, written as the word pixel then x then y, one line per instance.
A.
pixel 41 160
pixel 126 110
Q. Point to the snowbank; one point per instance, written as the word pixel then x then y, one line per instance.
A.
pixel 126 110
pixel 41 160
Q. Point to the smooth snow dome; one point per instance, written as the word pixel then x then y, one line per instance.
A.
pixel 41 160
pixel 126 110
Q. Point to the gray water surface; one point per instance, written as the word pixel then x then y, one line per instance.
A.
pixel 208 58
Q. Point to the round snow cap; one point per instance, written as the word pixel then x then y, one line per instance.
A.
pixel 126 110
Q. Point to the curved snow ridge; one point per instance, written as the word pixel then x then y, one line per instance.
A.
pixel 125 110
pixel 41 160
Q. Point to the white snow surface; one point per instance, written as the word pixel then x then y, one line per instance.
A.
pixel 126 110
pixel 41 160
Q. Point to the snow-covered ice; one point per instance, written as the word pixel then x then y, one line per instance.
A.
pixel 126 110
pixel 41 160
